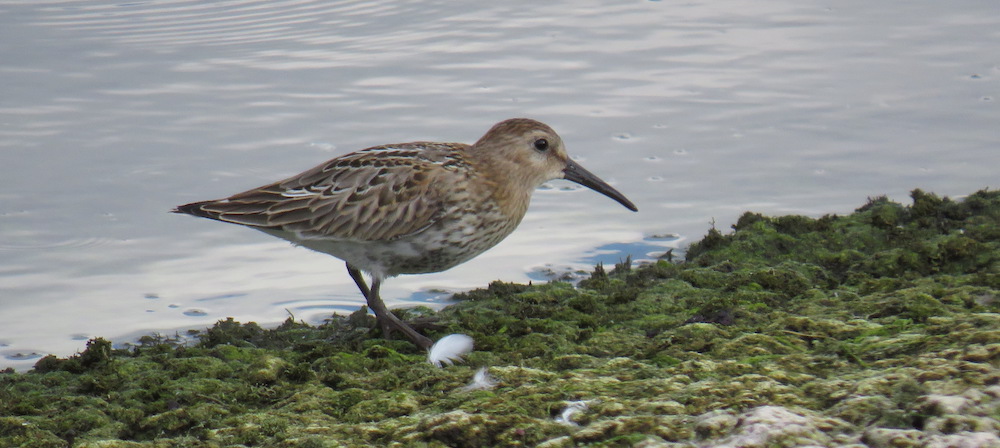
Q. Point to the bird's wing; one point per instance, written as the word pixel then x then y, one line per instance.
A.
pixel 379 193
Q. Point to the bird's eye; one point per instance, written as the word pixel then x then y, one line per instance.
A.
pixel 542 145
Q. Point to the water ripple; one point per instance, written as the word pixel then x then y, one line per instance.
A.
pixel 69 243
pixel 172 24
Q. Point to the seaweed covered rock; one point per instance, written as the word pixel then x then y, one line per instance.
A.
pixel 880 329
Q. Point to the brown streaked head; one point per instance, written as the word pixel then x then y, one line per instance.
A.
pixel 532 153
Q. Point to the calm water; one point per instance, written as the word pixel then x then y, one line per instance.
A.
pixel 112 113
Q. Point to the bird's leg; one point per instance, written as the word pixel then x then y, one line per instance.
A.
pixel 390 320
pixel 359 280
pixel 386 319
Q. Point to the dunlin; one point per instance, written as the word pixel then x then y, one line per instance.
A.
pixel 409 208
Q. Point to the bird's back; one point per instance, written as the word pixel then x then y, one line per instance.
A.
pixel 394 209
pixel 379 193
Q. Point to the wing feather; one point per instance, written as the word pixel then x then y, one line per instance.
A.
pixel 378 194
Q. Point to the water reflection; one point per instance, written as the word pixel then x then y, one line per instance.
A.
pixel 650 249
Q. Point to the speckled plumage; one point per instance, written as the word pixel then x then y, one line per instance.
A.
pixel 409 208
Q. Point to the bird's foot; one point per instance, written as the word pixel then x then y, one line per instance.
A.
pixel 390 323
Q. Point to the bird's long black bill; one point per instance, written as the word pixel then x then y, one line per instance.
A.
pixel 578 174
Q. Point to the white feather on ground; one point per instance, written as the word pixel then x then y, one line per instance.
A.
pixel 450 349
pixel 480 381
pixel 572 407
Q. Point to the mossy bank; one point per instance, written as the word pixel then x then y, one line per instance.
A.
pixel 880 329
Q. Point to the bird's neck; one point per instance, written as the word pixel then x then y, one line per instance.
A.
pixel 509 185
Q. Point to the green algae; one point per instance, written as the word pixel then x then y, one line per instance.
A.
pixel 880 328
